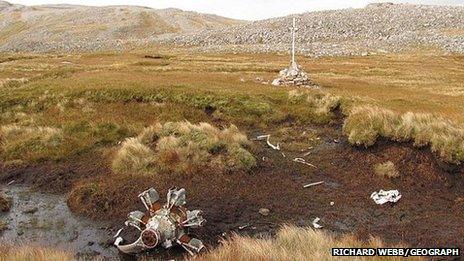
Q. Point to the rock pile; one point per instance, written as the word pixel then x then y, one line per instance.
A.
pixel 294 75
pixel 378 28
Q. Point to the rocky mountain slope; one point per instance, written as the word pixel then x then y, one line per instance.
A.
pixel 81 28
pixel 375 28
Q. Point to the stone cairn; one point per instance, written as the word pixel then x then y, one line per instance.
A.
pixel 293 75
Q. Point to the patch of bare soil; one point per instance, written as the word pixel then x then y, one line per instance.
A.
pixel 429 214
pixel 56 177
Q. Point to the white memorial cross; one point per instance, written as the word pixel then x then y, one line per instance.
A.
pixel 294 29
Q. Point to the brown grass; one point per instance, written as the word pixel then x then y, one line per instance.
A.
pixel 387 169
pixel 134 96
pixel 421 82
pixel 324 104
pixel 365 124
pixel 291 243
pixel 27 253
pixel 185 148
pixel 17 140
pixel 3 225
pixel 13 83
pixel 5 203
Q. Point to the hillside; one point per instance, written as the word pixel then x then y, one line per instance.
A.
pixel 82 28
pixel 375 28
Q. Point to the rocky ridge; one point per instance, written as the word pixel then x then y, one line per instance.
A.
pixel 377 28
pixel 71 28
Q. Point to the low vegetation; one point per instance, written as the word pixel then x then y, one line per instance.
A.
pixel 387 169
pixel 323 104
pixel 89 103
pixel 13 83
pixel 365 124
pixel 3 225
pixel 184 148
pixel 23 138
pixel 5 203
pixel 17 140
pixel 33 253
pixel 291 243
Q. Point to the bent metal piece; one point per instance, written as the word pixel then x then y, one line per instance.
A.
pixel 163 225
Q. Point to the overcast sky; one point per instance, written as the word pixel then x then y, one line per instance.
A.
pixel 239 9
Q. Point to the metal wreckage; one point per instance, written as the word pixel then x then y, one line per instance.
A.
pixel 163 226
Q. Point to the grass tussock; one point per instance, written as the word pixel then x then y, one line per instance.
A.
pixel 5 203
pixel 3 225
pixel 387 169
pixel 184 148
pixel 27 253
pixel 23 140
pixel 365 124
pixel 14 83
pixel 323 104
pixel 291 243
pixel 17 140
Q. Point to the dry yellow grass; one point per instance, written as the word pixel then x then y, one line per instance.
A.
pixel 5 203
pixel 291 243
pixel 323 103
pixel 424 81
pixel 13 83
pixel 17 140
pixel 182 147
pixel 387 169
pixel 27 253
pixel 46 135
pixel 132 96
pixel 327 104
pixel 367 123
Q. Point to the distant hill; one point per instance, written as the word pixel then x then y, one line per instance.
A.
pixel 376 28
pixel 81 28
pixel 383 27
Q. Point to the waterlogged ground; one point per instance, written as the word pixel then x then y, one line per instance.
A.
pixel 98 100
pixel 45 220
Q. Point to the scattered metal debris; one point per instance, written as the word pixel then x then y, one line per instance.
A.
pixel 332 203
pixel 118 233
pixel 11 182
pixel 315 223
pixel 163 225
pixel 383 197
pixel 303 161
pixel 243 227
pixel 313 184
pixel 309 152
pixel 267 137
pixel 283 155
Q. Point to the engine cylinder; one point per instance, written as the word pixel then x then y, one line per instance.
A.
pixel 150 237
